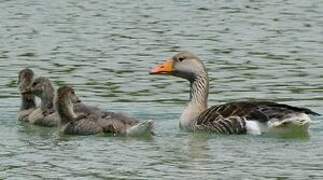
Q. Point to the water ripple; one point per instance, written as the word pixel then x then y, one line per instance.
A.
pixel 252 49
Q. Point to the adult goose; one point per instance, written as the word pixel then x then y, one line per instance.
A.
pixel 88 124
pixel 28 103
pixel 251 117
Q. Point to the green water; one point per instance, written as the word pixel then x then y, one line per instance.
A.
pixel 252 49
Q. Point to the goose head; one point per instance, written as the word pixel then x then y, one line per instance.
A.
pixel 184 65
pixel 25 79
pixel 188 66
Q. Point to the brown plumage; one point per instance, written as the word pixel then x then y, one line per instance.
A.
pixel 231 118
pixel 46 114
pixel 94 123
pixel 28 103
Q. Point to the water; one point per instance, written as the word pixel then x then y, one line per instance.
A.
pixel 252 49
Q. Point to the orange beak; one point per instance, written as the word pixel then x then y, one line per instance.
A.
pixel 165 68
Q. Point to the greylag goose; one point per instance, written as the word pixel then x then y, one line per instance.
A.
pixel 242 117
pixel 28 103
pixel 87 124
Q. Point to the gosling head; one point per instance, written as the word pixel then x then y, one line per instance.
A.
pixel 64 105
pixel 184 64
pixel 67 94
pixel 42 87
pixel 64 93
pixel 25 79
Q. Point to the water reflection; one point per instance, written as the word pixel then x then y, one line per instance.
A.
pixel 197 146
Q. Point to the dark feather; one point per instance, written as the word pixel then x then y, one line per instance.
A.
pixel 231 118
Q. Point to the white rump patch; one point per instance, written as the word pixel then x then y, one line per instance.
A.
pixel 253 127
pixel 297 122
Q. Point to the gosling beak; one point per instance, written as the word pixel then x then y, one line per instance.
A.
pixel 26 91
pixel 166 68
pixel 78 100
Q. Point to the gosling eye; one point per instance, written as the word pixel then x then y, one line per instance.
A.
pixel 34 83
pixel 181 58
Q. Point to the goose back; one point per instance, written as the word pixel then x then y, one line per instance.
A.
pixel 231 118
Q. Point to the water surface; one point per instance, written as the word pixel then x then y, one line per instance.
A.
pixel 252 49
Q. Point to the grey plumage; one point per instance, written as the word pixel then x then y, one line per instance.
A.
pixel 230 118
pixel 28 103
pixel 87 122
pixel 46 115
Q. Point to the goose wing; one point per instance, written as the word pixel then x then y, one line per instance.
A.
pixel 108 122
pixel 86 126
pixel 231 118
pixel 116 122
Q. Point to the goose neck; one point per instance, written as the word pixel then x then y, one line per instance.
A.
pixel 199 91
pixel 198 101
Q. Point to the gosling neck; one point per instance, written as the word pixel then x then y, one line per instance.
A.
pixel 27 102
pixel 47 99
pixel 198 99
pixel 64 107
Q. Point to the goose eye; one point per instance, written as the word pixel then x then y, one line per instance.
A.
pixel 181 58
pixel 34 83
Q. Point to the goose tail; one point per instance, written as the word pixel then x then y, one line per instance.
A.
pixel 143 128
pixel 300 122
